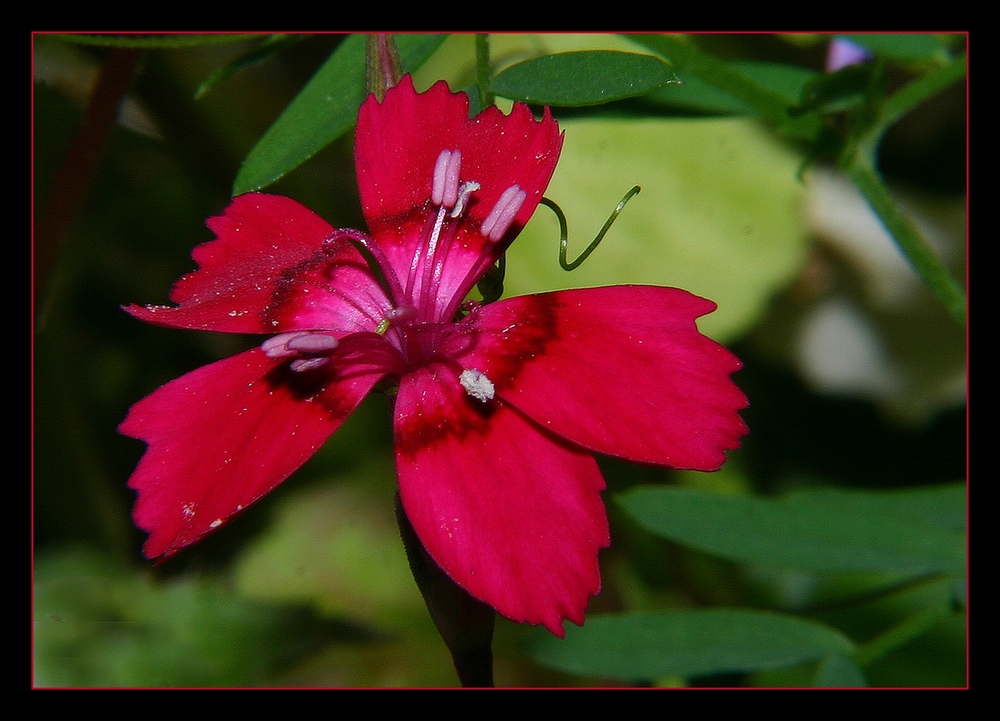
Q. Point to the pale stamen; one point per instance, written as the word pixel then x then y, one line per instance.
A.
pixel 444 187
pixel 500 218
pixel 277 346
pixel 312 343
pixel 288 345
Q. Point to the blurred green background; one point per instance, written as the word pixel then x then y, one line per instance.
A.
pixel 855 374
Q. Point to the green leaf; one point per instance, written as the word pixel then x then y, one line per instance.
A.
pixel 768 104
pixel 838 671
pixel 650 645
pixel 825 531
pixel 325 109
pixel 588 77
pixel 835 92
pixel 941 505
pixel 98 624
pixel 698 96
pixel 268 46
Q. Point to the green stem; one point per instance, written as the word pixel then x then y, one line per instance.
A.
pixel 899 635
pixel 861 171
pixel 858 162
pixel 69 189
pixel 483 69
pixel 917 91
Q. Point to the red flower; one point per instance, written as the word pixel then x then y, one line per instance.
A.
pixel 499 407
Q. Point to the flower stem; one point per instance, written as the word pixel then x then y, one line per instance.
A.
pixel 382 67
pixel 465 623
pixel 861 170
pixel 902 633
pixel 483 70
pixel 859 163
pixel 74 176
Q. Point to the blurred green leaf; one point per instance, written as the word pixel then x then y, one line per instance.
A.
pixel 839 90
pixel 838 671
pixel 827 531
pixel 650 645
pixel 268 46
pixel 943 506
pixel 582 78
pixel 325 109
pixel 97 624
pixel 336 548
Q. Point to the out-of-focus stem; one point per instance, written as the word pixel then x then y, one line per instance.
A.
pixel 72 180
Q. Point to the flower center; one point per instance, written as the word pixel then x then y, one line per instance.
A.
pixel 440 275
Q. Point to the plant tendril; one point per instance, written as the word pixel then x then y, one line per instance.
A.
pixel 563 230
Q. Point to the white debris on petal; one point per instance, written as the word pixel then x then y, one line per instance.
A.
pixel 476 384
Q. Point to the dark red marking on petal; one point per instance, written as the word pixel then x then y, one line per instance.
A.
pixel 435 417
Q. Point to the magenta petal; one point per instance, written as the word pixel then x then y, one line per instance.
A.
pixel 510 512
pixel 259 238
pixel 620 370
pixel 224 435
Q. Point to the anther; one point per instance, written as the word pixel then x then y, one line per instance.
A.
pixel 312 343
pixel 277 346
pixel 285 345
pixel 476 384
pixel 444 187
pixel 500 218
